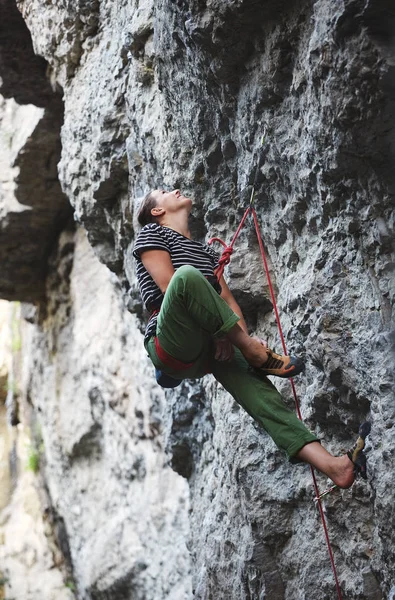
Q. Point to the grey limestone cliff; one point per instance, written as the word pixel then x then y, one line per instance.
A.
pixel 179 495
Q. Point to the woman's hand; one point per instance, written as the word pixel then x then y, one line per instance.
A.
pixel 223 349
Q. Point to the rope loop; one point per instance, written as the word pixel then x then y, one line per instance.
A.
pixel 217 239
pixel 225 257
pixel 226 254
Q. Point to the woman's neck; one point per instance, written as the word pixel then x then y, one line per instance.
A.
pixel 178 224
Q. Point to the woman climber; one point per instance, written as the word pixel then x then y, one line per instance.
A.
pixel 196 327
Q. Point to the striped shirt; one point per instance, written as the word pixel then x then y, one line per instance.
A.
pixel 182 250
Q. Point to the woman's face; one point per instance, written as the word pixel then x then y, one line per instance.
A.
pixel 171 201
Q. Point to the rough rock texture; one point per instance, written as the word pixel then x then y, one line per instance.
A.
pixel 5 437
pixel 30 560
pixel 4 350
pixel 174 93
pixel 33 208
pixel 23 73
pixel 121 509
pixel 31 564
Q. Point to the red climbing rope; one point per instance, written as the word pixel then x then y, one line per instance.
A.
pixel 297 405
pixel 224 260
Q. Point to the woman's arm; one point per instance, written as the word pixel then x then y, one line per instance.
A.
pixel 159 266
pixel 227 295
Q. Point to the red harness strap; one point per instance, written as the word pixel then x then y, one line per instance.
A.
pixel 168 360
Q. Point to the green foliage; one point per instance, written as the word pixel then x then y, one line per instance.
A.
pixel 16 342
pixel 71 586
pixel 11 386
pixel 34 456
pixel 33 461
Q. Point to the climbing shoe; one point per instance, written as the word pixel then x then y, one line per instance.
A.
pixel 356 454
pixel 281 366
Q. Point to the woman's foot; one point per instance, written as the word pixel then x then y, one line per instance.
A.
pixel 342 472
pixel 281 366
pixel 341 469
pixel 262 358
pixel 356 454
pixel 268 362
pixel 338 468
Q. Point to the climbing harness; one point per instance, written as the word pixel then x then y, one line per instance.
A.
pixel 169 360
pixel 224 260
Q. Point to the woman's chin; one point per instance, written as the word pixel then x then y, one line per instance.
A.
pixel 187 202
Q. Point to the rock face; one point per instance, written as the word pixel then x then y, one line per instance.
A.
pixel 5 438
pixel 23 73
pixel 30 560
pixel 121 510
pixel 31 564
pixel 179 94
pixel 33 208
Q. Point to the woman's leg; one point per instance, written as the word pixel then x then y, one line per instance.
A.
pixel 192 313
pixel 258 396
pixel 339 468
pixel 191 310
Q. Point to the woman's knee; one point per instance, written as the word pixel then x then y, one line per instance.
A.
pixel 188 271
pixel 187 274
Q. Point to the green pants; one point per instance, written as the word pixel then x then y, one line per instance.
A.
pixel 191 315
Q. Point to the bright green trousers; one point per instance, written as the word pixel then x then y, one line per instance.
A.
pixel 191 315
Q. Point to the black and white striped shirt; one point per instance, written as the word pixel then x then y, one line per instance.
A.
pixel 182 250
